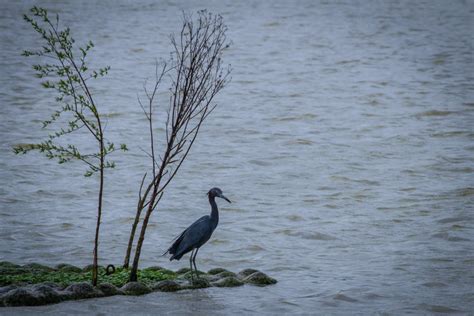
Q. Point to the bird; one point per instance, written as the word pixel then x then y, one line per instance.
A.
pixel 196 235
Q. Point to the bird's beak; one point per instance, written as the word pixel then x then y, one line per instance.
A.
pixel 223 197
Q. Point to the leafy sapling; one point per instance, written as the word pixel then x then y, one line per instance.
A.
pixel 63 68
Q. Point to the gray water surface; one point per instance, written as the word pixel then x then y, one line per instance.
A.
pixel 345 141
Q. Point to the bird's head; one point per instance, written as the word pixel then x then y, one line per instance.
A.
pixel 216 192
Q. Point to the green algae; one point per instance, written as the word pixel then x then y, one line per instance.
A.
pixel 32 275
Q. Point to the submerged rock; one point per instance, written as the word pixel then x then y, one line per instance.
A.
pixel 228 282
pixel 260 279
pixel 167 286
pixel 135 288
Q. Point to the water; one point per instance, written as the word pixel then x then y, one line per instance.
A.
pixel 345 141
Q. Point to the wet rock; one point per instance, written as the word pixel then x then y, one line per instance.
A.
pixel 260 279
pixel 53 285
pixel 167 286
pixel 6 289
pixel 64 267
pixel 81 290
pixel 228 282
pixel 135 288
pixel 216 271
pixel 20 297
pixel 109 289
pixel 245 273
pixel 45 294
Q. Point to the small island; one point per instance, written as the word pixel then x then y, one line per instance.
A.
pixel 36 284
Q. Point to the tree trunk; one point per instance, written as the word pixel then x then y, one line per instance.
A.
pixel 95 265
pixel 126 261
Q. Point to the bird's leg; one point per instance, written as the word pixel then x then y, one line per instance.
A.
pixel 194 262
pixel 191 265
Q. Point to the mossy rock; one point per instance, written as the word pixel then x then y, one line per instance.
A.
pixel 183 270
pixel 89 267
pixel 135 288
pixel 153 268
pixel 160 269
pixel 13 270
pixel 22 287
pixel 216 271
pixel 36 267
pixel 225 274
pixel 8 268
pixel 167 286
pixel 189 276
pixel 229 281
pixel 109 289
pixel 260 279
pixel 9 265
pixel 245 273
pixel 199 283
pixel 64 267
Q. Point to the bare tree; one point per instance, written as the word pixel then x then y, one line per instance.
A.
pixel 196 75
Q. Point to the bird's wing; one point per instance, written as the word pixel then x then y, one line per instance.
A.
pixel 177 240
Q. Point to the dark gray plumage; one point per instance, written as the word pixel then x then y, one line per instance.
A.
pixel 196 235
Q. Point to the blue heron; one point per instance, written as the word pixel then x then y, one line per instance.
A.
pixel 196 235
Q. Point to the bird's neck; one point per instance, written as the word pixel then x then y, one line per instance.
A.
pixel 214 210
